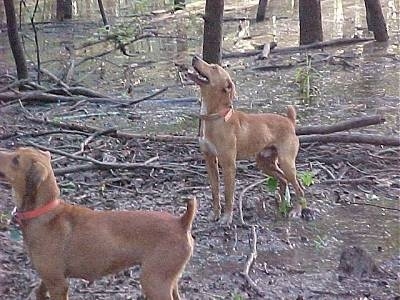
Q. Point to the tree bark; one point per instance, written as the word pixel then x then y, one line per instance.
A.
pixel 15 42
pixel 262 7
pixel 212 41
pixel 310 21
pixel 68 9
pixel 375 20
pixel 64 10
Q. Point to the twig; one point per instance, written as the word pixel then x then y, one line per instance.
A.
pixel 241 199
pixel 142 99
pixel 250 260
pixel 374 205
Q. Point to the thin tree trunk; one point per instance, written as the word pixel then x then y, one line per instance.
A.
pixel 67 9
pixel 15 42
pixel 212 42
pixel 375 20
pixel 103 13
pixel 60 11
pixel 262 7
pixel 64 10
pixel 310 21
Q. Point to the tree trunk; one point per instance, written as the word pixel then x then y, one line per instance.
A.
pixel 64 10
pixel 60 10
pixel 212 42
pixel 67 9
pixel 310 21
pixel 375 20
pixel 262 7
pixel 15 42
pixel 103 13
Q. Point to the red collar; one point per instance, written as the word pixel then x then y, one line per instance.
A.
pixel 225 113
pixel 31 214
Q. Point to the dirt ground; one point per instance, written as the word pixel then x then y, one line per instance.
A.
pixel 355 190
pixel 296 259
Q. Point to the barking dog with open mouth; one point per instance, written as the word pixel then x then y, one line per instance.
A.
pixel 227 135
pixel 66 240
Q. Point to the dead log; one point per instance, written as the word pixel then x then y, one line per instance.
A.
pixel 341 126
pixel 359 138
pixel 39 96
pixel 318 45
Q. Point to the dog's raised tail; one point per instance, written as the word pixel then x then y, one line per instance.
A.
pixel 188 216
pixel 291 114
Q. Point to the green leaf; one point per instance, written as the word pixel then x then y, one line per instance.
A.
pixel 272 184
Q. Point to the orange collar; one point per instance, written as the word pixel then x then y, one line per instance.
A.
pixel 224 113
pixel 31 214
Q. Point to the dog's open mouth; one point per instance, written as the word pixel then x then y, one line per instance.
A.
pixel 196 76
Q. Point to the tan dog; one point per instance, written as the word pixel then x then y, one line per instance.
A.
pixel 227 135
pixel 73 241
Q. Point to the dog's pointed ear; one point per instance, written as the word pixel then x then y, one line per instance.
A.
pixel 36 174
pixel 230 89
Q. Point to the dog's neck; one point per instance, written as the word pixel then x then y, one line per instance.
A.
pixel 46 192
pixel 214 106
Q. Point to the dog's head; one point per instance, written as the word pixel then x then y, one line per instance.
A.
pixel 214 81
pixel 27 169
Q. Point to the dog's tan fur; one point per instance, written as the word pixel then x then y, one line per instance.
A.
pixel 74 241
pixel 270 138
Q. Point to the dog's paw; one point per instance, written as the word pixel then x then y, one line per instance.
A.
pixel 214 216
pixel 296 211
pixel 226 219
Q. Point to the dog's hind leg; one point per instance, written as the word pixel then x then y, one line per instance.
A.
pixel 267 162
pixel 288 166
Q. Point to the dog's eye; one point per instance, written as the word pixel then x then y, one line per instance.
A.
pixel 15 160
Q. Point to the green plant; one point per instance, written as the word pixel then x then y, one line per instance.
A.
pixel 307 178
pixel 304 78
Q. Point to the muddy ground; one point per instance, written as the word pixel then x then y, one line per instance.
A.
pixel 355 190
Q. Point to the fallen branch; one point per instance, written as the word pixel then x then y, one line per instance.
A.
pixel 142 99
pixel 341 126
pixel 359 138
pixel 373 205
pixel 347 138
pixel 96 164
pixel 250 261
pixel 335 42
pixel 38 96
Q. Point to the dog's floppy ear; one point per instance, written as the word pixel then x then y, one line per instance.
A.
pixel 36 174
pixel 230 89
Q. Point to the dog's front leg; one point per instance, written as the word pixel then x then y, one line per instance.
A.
pixel 57 287
pixel 228 166
pixel 41 292
pixel 212 170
